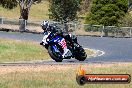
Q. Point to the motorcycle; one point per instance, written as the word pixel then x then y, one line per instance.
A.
pixel 59 49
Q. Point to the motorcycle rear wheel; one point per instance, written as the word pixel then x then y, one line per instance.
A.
pixel 80 54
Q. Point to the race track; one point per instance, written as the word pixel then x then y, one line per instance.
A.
pixel 116 49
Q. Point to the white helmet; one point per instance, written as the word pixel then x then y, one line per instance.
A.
pixel 45 25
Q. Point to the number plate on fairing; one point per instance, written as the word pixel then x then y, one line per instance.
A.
pixel 62 43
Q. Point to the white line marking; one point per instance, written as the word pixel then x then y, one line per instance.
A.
pixel 96 52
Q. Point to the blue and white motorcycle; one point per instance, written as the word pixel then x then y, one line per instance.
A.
pixel 59 49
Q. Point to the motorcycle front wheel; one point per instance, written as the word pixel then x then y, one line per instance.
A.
pixel 54 55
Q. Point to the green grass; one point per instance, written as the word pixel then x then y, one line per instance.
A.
pixel 37 12
pixel 16 50
pixel 61 78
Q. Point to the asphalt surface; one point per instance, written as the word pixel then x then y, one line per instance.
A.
pixel 116 49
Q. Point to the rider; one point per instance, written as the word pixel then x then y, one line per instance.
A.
pixel 47 27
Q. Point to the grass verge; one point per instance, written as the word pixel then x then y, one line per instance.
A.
pixel 55 76
pixel 17 50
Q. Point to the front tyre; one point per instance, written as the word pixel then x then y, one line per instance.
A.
pixel 54 55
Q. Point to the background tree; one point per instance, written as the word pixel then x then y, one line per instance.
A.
pixel 130 5
pixel 9 4
pixel 85 6
pixel 107 12
pixel 64 11
pixel 127 20
pixel 25 6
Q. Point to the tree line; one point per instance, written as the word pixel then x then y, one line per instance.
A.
pixel 102 12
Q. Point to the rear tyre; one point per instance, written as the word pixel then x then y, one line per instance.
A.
pixel 54 55
pixel 80 53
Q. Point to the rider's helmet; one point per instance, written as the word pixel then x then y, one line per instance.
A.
pixel 45 25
